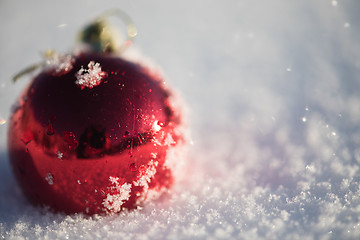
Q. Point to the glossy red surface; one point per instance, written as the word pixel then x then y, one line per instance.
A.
pixel 94 149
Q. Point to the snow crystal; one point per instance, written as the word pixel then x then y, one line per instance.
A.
pixel 145 174
pixel 59 64
pixel 49 178
pixel 60 155
pixel 90 77
pixel 117 196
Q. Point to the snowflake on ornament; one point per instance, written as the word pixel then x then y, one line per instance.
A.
pixel 90 77
pixel 119 193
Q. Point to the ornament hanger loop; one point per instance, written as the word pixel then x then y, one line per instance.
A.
pixel 130 26
pixel 101 36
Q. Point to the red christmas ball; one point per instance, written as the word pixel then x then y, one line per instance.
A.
pixel 94 133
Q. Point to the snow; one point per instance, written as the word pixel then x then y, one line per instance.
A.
pixel 117 196
pixel 60 155
pixel 273 93
pixel 90 77
pixel 59 63
pixel 49 178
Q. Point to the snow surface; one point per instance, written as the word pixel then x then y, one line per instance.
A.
pixel 273 94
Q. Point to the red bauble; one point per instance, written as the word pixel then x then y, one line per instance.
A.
pixel 93 134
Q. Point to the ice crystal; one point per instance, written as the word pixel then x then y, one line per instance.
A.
pixel 117 196
pixel 60 155
pixel 49 178
pixel 90 77
pixel 60 64
pixel 145 174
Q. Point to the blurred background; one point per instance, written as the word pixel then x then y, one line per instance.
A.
pixel 272 89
